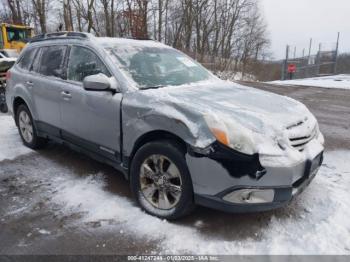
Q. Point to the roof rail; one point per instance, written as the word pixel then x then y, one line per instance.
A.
pixel 59 35
pixel 139 38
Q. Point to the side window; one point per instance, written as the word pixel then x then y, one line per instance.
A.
pixel 83 62
pixel 36 62
pixel 52 61
pixel 27 59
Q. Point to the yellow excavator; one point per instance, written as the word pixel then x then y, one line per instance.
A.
pixel 14 36
pixel 13 39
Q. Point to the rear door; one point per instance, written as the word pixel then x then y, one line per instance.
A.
pixel 47 80
pixel 90 118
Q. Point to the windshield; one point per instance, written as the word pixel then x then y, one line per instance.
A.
pixel 16 34
pixel 155 67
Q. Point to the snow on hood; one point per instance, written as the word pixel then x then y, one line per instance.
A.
pixel 262 112
pixel 252 107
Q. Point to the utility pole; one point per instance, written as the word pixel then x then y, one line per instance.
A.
pixel 336 55
pixel 295 52
pixel 310 51
pixel 319 59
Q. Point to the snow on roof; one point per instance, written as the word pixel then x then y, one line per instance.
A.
pixel 110 42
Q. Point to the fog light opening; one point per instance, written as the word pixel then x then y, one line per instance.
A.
pixel 250 196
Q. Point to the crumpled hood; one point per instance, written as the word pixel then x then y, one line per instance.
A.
pixel 254 121
pixel 260 111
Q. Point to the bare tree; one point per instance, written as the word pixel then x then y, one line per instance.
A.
pixel 15 7
pixel 78 6
pixel 89 17
pixel 40 10
pixel 225 35
pixel 67 15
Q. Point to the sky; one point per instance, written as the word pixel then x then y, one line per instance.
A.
pixel 294 22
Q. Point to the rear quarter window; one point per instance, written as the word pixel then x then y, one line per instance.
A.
pixel 27 59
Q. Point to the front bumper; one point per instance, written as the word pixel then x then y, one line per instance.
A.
pixel 214 180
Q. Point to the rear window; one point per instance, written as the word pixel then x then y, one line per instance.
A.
pixel 52 61
pixel 27 59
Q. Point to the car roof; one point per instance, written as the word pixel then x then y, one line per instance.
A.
pixel 113 41
pixel 76 37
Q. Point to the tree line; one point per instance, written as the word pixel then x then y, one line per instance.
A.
pixel 225 35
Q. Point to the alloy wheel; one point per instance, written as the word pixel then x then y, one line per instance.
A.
pixel 160 182
pixel 26 126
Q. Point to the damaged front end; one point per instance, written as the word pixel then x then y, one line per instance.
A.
pixel 228 180
pixel 244 152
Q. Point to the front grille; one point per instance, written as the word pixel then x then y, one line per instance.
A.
pixel 300 133
pixel 300 142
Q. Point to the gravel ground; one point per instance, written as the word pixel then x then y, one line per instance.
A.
pixel 56 201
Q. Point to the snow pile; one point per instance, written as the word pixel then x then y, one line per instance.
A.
pixel 336 81
pixel 10 142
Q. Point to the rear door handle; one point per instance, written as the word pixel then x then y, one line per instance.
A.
pixel 66 95
pixel 29 83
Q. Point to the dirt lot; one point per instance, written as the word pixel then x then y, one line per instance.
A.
pixel 55 201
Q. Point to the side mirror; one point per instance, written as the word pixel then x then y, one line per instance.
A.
pixel 97 82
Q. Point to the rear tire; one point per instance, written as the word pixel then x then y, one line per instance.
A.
pixel 27 129
pixel 160 180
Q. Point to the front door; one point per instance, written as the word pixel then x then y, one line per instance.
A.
pixel 89 118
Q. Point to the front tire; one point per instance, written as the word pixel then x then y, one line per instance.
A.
pixel 27 128
pixel 160 180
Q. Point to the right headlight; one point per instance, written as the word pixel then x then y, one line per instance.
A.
pixel 233 135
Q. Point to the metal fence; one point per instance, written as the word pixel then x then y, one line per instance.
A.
pixel 324 62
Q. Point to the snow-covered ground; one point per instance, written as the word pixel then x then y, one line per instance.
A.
pixel 10 144
pixel 316 223
pixel 337 81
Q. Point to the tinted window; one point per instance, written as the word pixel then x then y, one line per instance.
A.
pixel 27 59
pixel 16 34
pixel 83 62
pixel 52 61
pixel 36 61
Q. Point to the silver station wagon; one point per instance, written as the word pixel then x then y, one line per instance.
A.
pixel 180 135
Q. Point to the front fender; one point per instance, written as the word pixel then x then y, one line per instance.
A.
pixel 141 115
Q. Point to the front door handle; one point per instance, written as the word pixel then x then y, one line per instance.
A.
pixel 66 95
